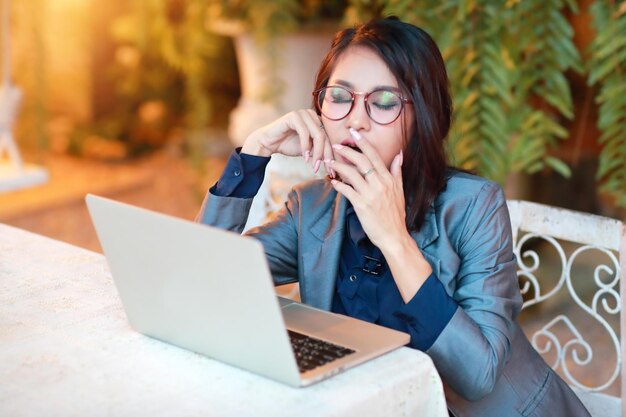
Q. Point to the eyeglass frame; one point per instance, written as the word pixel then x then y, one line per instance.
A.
pixel 365 95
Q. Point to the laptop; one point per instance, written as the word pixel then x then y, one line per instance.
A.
pixel 210 291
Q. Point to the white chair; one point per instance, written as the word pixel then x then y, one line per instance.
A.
pixel 578 337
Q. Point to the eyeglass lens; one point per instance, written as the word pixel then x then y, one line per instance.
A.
pixel 383 106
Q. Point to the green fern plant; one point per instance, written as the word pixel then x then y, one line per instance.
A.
pixel 607 69
pixel 506 62
pixel 187 49
pixel 179 64
pixel 173 31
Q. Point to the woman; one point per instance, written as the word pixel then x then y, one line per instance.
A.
pixel 394 236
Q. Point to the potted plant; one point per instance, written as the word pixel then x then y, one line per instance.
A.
pixel 279 45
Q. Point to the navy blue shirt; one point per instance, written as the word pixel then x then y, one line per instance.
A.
pixel 365 288
pixel 242 176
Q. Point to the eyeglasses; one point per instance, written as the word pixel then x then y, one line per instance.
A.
pixel 382 105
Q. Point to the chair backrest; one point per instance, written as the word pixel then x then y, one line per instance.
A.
pixel 587 268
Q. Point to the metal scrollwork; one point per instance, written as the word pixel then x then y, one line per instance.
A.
pixel 605 301
pixel 527 272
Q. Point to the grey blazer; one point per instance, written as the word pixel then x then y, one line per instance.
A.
pixel 487 364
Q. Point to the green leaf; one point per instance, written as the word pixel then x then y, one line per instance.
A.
pixel 554 128
pixel 559 166
pixel 614 92
pixel 609 48
pixel 534 168
pixel 602 70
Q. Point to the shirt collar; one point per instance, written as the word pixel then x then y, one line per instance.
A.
pixel 355 230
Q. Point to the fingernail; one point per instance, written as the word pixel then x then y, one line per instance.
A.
pixel 307 156
pixel 316 167
pixel 337 146
pixel 401 157
pixel 333 181
pixel 329 170
pixel 329 161
pixel 356 135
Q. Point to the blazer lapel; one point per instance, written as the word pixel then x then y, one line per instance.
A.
pixel 428 233
pixel 321 259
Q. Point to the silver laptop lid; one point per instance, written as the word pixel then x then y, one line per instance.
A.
pixel 175 280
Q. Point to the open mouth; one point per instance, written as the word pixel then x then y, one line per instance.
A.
pixel 351 145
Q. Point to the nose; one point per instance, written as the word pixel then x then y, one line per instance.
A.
pixel 358 117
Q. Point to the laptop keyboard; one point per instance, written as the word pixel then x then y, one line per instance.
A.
pixel 311 352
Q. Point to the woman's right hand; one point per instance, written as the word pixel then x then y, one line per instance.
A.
pixel 299 132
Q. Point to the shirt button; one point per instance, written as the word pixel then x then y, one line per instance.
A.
pixel 353 278
pixel 237 172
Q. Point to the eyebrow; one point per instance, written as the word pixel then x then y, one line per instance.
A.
pixel 378 87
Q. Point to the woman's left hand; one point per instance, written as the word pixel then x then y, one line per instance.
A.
pixel 376 193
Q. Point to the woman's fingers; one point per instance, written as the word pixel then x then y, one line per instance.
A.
pixel 300 126
pixel 360 161
pixel 349 174
pixel 329 156
pixel 287 135
pixel 367 177
pixel 318 137
pixel 346 191
pixel 396 167
pixel 299 132
pixel 311 136
pixel 370 153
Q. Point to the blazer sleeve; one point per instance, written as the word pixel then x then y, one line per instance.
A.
pixel 473 348
pixel 278 236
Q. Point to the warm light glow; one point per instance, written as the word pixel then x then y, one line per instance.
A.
pixel 67 38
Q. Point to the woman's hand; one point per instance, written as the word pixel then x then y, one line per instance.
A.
pixel 376 193
pixel 299 132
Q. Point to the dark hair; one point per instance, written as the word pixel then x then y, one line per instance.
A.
pixel 415 60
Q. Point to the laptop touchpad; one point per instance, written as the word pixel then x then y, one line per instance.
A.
pixel 300 316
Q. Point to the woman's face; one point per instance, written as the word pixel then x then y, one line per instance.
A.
pixel 359 69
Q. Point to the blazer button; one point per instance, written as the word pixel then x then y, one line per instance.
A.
pixel 353 278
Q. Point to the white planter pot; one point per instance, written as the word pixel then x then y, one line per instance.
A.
pixel 298 58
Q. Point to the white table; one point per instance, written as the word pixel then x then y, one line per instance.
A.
pixel 66 349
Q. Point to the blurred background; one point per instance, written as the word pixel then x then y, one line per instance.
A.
pixel 143 100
